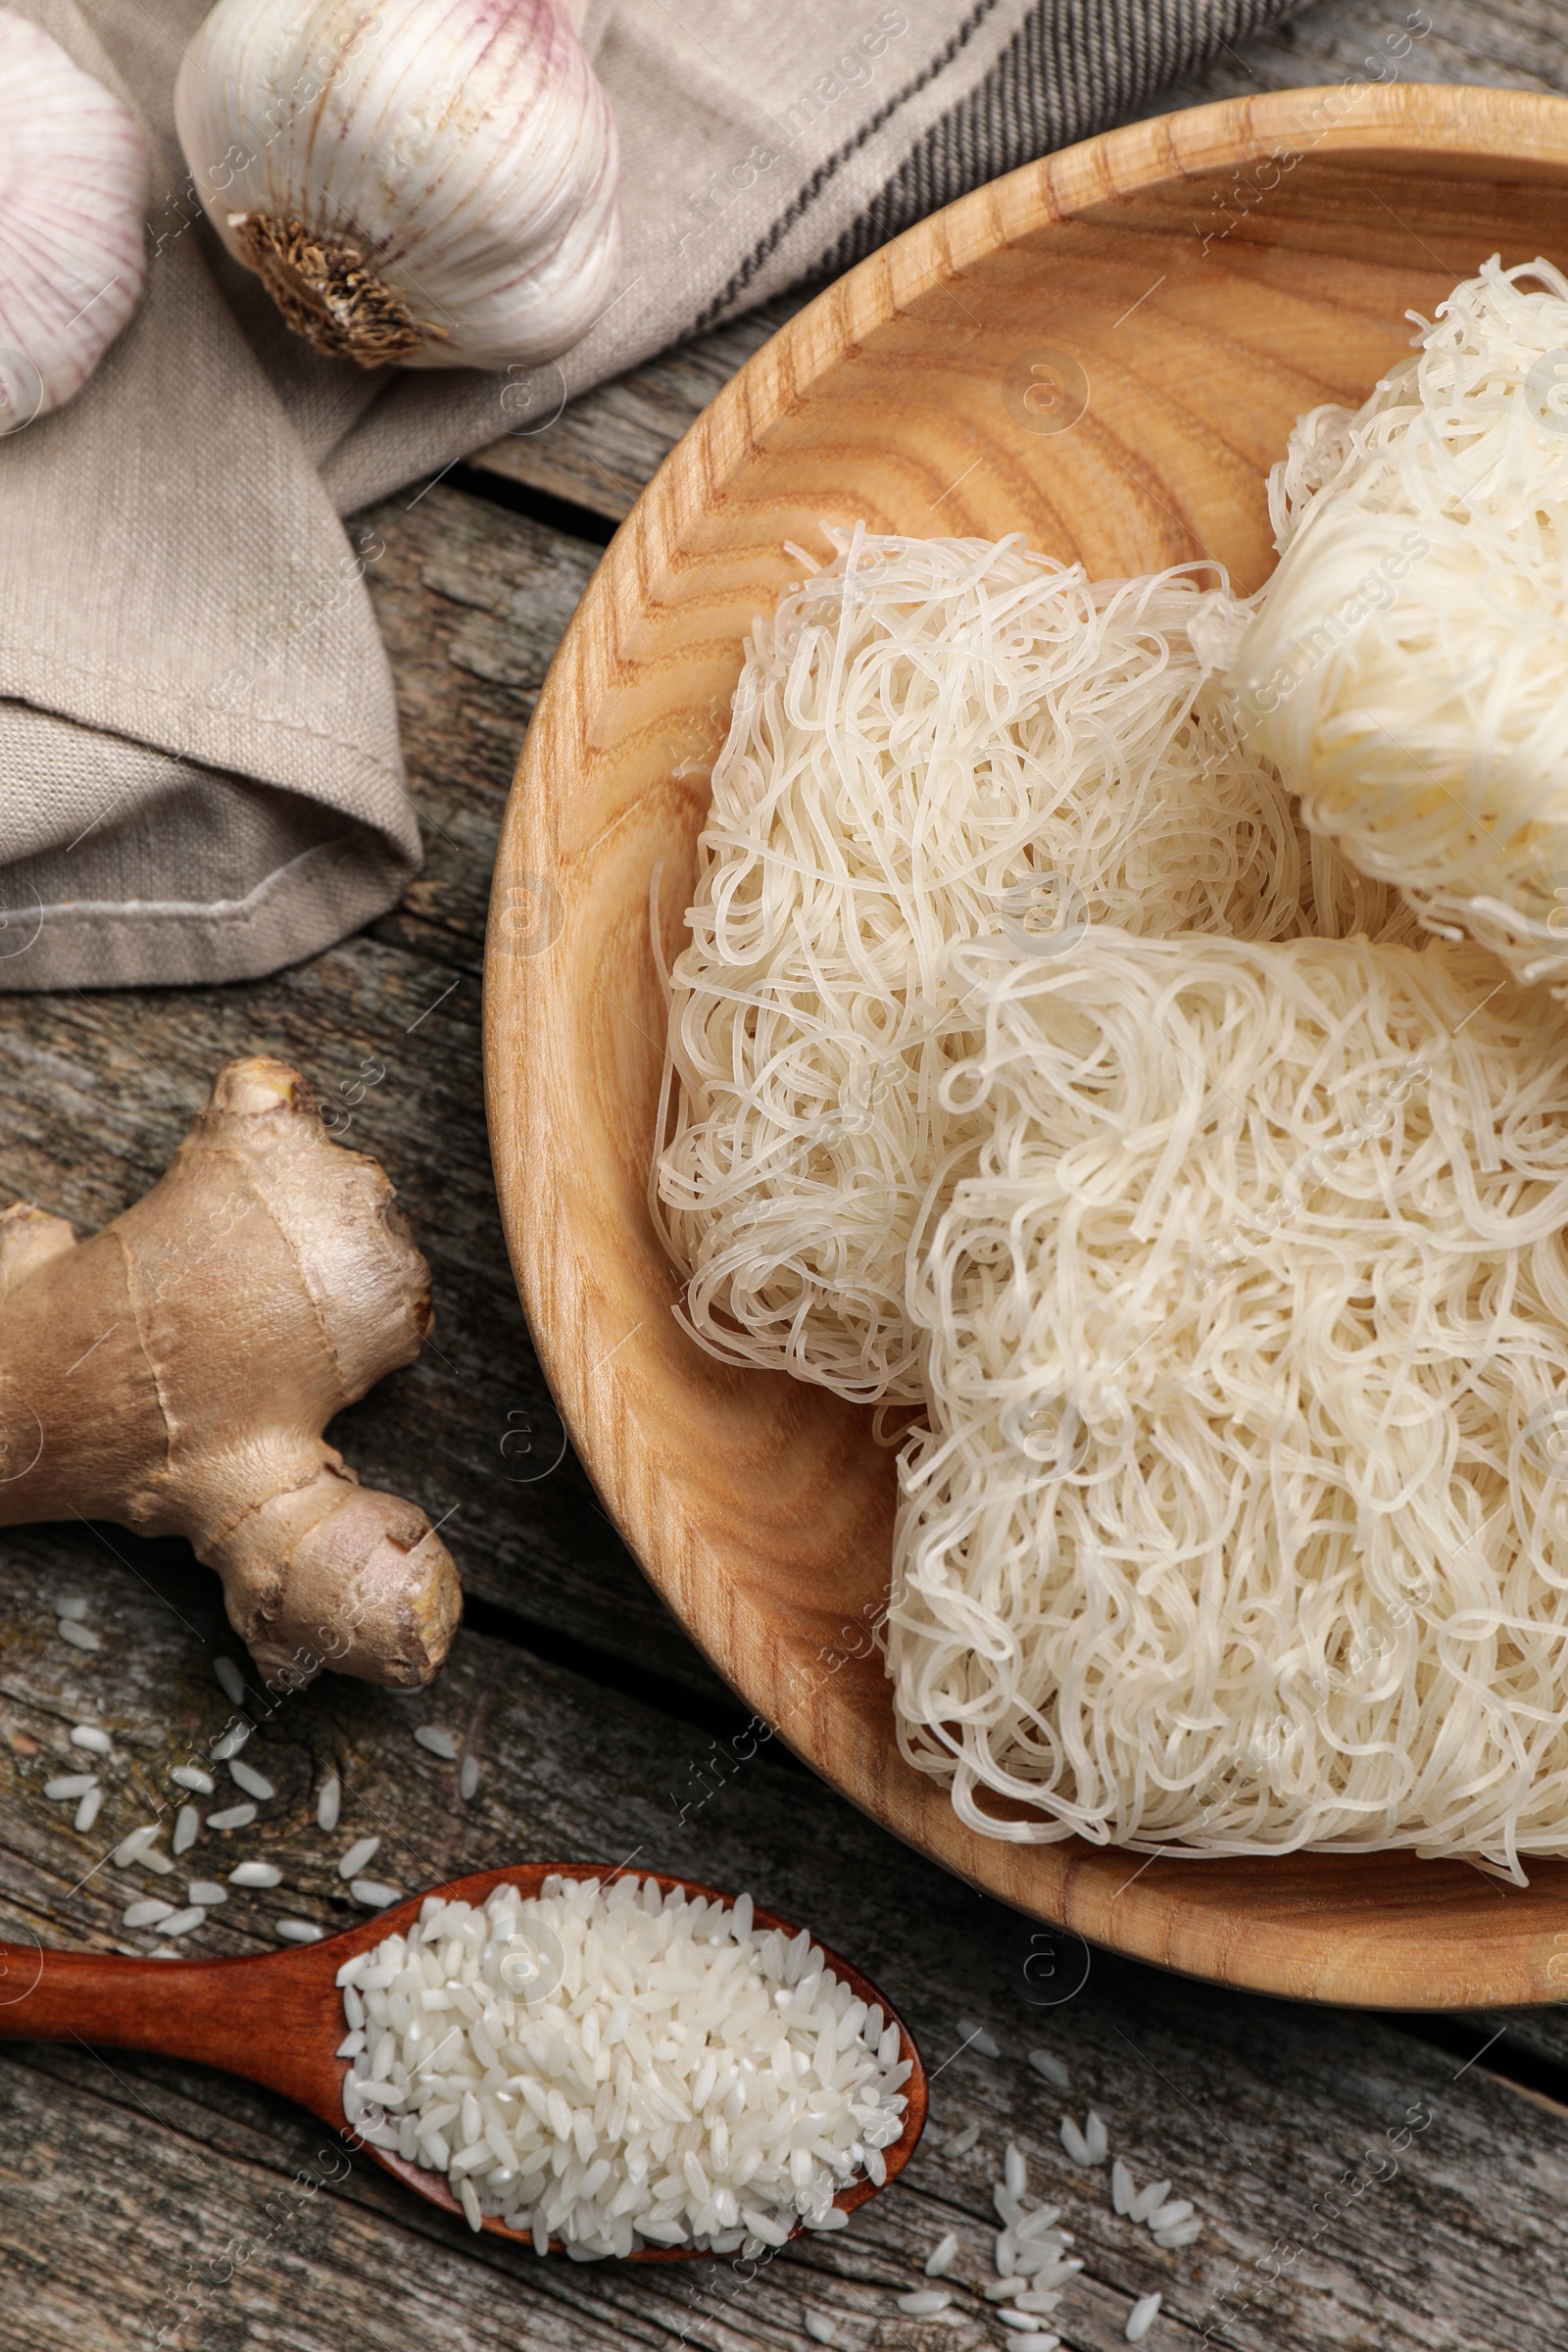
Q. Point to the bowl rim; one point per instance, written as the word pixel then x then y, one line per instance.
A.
pixel 1261 1941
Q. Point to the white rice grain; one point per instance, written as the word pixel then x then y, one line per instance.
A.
pixel 468 1778
pixel 329 1803
pixel 1014 2171
pixel 375 1893
pixel 963 2141
pixel 1184 2234
pixel 1166 2216
pixel 712 2129
pixel 978 2037
pixel 255 1874
pixel 232 1817
pixel 231 1680
pixel 131 1849
pixel 89 1737
pixel 192 1777
pixel 228 1743
pixel 296 1931
pixel 924 2302
pixel 246 1776
pixel 1123 2188
pixel 77 1634
pixel 362 1852
pixel 1046 2063
pixel 1141 2316
pixel 181 1923
pixel 70 1784
pixel 942 2256
pixel 208 1892
pixel 1073 2140
pixel 1149 2200
pixel 146 1913
pixel 1096 2139
pixel 1022 2323
pixel 439 1743
pixel 87 1810
pixel 70 1611
pixel 187 1828
pixel 818 2326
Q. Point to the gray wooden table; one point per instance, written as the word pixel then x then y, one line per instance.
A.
pixel 145 2202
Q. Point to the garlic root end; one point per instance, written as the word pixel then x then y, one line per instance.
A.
pixel 329 292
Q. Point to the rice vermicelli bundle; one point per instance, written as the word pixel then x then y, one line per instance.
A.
pixel 1406 666
pixel 933 740
pixel 1243 1518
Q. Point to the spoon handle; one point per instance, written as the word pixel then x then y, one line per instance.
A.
pixel 264 2017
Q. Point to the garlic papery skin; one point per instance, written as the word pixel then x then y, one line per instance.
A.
pixel 74 188
pixel 430 183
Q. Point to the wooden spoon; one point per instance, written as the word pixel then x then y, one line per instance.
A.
pixel 278 2018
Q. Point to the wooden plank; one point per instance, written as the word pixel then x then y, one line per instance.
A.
pixel 96 1091
pixel 601 449
pixel 139 2172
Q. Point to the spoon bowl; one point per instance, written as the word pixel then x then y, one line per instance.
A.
pixel 276 2017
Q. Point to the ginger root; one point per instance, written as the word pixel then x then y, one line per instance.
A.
pixel 174 1372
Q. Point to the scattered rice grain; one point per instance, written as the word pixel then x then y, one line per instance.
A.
pixel 924 2302
pixel 963 2141
pixel 246 1776
pixel 77 1634
pixel 329 1803
pixel 71 1611
pixel 296 1931
pixel 440 1743
pixel 375 1893
pixel 231 1680
pixel 87 1810
pixel 468 1778
pixel 146 1912
pixel 979 2038
pixel 70 1784
pixel 232 1817
pixel 255 1874
pixel 206 1892
pixel 181 1923
pixel 192 1777
pixel 89 1737
pixel 362 1852
pixel 1141 2316
pixel 187 1828
pixel 942 2256
pixel 1123 2188
pixel 1046 2063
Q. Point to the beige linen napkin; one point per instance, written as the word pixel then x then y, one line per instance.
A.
pixel 200 776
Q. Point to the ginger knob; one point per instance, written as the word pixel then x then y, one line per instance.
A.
pixel 174 1372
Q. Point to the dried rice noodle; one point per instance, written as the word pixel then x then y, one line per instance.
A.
pixel 1408 665
pixel 933 740
pixel 1242 1524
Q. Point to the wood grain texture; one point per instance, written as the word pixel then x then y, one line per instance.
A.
pixel 138 2193
pixel 275 2018
pixel 97 1089
pixel 601 449
pixel 1204 279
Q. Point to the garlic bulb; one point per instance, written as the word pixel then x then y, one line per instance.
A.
pixel 433 182
pixel 72 202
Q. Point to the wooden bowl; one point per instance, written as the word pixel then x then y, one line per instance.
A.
pixel 1105 351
